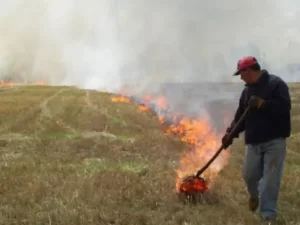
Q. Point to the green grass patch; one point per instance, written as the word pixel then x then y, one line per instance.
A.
pixel 292 168
pixel 61 135
pixel 97 165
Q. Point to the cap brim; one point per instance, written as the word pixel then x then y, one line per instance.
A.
pixel 236 73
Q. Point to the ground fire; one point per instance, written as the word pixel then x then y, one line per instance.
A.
pixel 11 83
pixel 198 134
pixel 200 137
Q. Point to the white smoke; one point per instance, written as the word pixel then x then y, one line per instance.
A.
pixel 106 44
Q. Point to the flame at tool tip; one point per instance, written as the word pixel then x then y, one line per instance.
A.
pixel 192 185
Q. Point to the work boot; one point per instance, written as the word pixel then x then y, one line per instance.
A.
pixel 253 203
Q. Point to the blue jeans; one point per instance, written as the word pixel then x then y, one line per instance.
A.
pixel 263 167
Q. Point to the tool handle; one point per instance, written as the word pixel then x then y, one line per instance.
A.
pixel 231 133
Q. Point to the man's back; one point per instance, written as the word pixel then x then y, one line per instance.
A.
pixel 273 120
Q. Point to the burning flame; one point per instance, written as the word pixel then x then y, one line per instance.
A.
pixel 10 83
pixel 120 99
pixel 205 143
pixel 192 185
pixel 200 137
pixel 143 108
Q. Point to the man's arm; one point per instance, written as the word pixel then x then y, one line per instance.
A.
pixel 281 101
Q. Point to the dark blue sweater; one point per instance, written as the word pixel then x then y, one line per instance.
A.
pixel 271 121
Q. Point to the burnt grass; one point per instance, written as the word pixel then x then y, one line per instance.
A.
pixel 71 156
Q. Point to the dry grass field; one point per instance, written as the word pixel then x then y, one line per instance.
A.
pixel 74 157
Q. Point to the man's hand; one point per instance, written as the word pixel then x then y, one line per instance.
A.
pixel 226 140
pixel 256 102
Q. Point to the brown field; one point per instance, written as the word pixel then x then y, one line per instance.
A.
pixel 70 157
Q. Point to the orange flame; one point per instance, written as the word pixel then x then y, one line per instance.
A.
pixel 120 99
pixel 205 143
pixel 192 185
pixel 10 83
pixel 199 135
pixel 143 108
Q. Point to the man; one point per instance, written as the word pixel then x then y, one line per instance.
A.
pixel 267 125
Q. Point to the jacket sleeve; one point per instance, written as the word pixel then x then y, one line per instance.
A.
pixel 281 101
pixel 239 112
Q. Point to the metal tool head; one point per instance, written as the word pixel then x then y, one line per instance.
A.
pixel 191 185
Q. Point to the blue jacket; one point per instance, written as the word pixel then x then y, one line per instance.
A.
pixel 271 121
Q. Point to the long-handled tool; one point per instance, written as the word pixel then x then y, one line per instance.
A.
pixel 192 184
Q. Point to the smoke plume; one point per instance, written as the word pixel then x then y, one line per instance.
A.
pixel 107 44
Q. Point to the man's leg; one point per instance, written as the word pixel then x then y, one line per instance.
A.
pixel 274 156
pixel 253 171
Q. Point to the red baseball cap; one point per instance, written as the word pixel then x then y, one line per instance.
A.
pixel 245 63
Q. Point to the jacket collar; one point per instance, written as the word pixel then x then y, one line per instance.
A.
pixel 264 76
